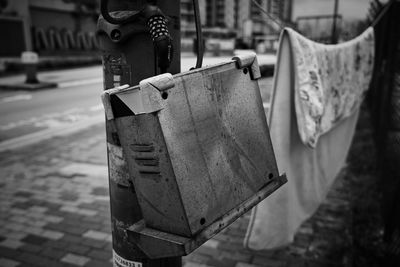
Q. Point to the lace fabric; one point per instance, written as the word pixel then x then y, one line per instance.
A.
pixel 314 111
pixel 331 81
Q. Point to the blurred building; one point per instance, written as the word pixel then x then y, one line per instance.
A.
pixel 236 17
pixel 48 26
pixel 241 22
pixel 65 27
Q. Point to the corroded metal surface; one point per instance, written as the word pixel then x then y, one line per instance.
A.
pixel 198 150
pixel 161 244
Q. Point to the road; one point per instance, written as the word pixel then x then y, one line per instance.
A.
pixel 26 112
pixel 77 98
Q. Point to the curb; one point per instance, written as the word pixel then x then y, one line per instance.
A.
pixel 28 86
pixel 14 65
pixel 44 85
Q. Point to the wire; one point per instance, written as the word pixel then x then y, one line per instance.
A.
pixel 382 13
pixel 281 25
pixel 199 35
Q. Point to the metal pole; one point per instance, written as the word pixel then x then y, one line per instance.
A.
pixel 128 57
pixel 335 15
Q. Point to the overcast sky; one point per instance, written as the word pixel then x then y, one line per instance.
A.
pixel 350 9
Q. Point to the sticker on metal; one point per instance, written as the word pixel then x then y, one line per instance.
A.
pixel 118 168
pixel 121 262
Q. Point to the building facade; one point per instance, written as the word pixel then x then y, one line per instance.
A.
pixel 239 18
pixel 58 27
pixel 50 27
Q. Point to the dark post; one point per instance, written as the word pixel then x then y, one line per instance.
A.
pixel 31 73
pixel 334 30
pixel 129 57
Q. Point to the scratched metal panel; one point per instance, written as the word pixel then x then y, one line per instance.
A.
pixel 218 141
pixel 151 171
pixel 205 150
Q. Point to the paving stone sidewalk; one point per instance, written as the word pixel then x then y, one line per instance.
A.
pixel 54 211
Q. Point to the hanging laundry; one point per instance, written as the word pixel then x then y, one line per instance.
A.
pixel 315 104
pixel 330 81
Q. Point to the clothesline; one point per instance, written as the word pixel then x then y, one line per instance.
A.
pixel 315 100
pixel 282 25
pixel 382 13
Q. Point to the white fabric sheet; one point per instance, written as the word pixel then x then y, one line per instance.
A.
pixel 310 171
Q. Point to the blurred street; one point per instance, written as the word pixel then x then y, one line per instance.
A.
pixel 76 99
pixel 54 210
pixel 25 112
pixel 54 200
pixel 54 175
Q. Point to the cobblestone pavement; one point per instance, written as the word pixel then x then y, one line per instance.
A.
pixel 54 211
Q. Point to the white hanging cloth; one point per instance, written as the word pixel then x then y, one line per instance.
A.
pixel 316 97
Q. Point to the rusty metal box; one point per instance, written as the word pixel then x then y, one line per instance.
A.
pixel 197 146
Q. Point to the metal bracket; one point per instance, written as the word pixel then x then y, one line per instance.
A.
pixel 143 99
pixel 105 98
pixel 249 61
pixel 160 82
pixel 159 244
pixel 151 88
pixel 120 33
